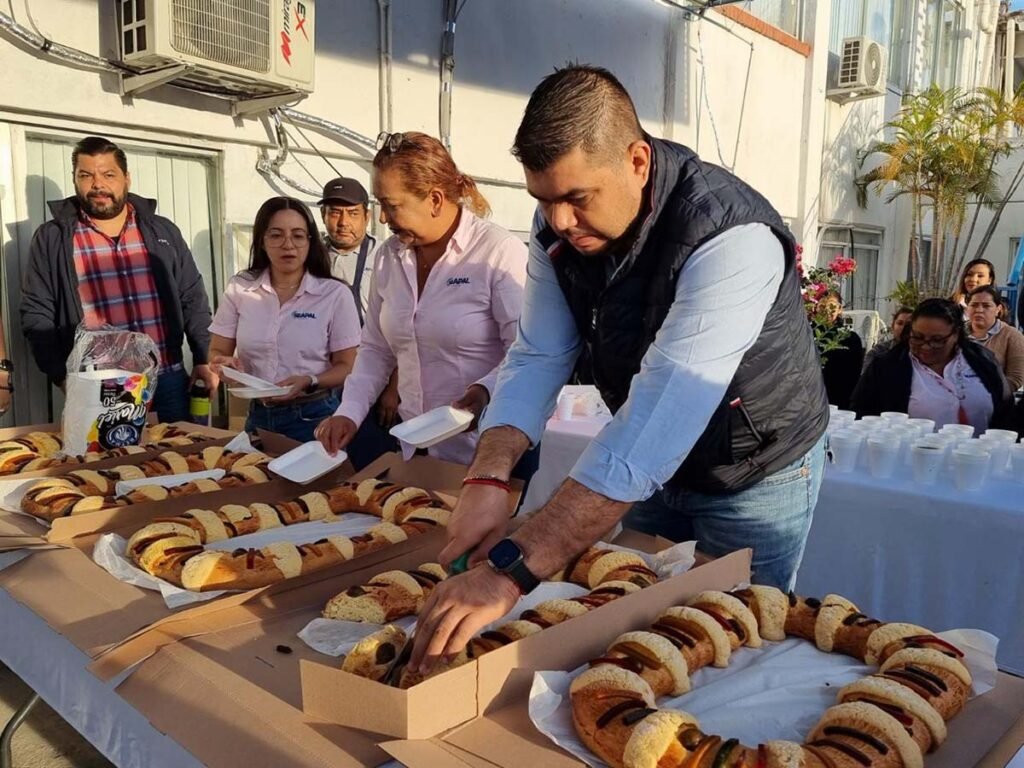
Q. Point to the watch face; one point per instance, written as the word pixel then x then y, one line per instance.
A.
pixel 504 554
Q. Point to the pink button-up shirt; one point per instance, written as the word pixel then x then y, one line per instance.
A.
pixel 454 335
pixel 296 339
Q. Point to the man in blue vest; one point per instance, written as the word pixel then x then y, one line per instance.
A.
pixel 672 285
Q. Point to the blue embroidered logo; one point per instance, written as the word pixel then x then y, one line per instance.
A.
pixel 301 315
pixel 458 281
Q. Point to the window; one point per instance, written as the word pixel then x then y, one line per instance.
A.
pixel 901 40
pixel 860 289
pixel 787 15
pixel 941 43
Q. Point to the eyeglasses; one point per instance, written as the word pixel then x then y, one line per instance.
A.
pixel 933 343
pixel 392 142
pixel 276 239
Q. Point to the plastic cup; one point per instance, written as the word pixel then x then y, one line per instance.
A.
pixel 1000 434
pixel 883 454
pixel 907 434
pixel 1017 462
pixel 851 415
pixel 871 420
pixel 832 408
pixel 970 468
pixel 566 402
pixel 963 430
pixel 927 426
pixel 894 417
pixel 845 445
pixel 927 457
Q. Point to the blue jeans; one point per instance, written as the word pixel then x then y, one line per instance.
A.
pixel 170 401
pixel 297 421
pixel 773 517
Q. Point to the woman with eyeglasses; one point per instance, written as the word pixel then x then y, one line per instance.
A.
pixel 938 374
pixel 445 296
pixel 999 338
pixel 286 320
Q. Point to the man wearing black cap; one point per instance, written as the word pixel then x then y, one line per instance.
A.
pixel 346 213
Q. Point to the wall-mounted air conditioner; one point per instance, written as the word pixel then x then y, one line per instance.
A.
pixel 250 47
pixel 861 74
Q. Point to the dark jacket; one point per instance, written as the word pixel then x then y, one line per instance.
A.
pixel 775 409
pixel 51 308
pixel 885 384
pixel 842 370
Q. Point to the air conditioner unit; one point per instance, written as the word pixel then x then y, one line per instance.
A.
pixel 250 47
pixel 861 73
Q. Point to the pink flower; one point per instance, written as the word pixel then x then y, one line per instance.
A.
pixel 842 266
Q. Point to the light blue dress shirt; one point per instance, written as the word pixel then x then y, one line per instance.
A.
pixel 722 297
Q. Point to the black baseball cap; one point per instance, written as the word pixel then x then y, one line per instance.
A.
pixel 344 190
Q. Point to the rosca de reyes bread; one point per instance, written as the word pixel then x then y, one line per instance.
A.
pixel 89 490
pixel 166 546
pixel 40 450
pixel 889 719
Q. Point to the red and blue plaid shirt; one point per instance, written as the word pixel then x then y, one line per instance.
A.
pixel 116 282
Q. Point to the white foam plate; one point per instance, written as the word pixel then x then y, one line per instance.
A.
pixel 256 393
pixel 306 463
pixel 254 382
pixel 433 427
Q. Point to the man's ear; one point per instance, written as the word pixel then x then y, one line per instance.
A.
pixel 639 158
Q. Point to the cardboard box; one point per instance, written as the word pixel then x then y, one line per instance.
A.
pixel 507 738
pixel 447 700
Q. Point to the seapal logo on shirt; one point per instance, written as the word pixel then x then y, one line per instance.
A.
pixel 458 281
pixel 304 315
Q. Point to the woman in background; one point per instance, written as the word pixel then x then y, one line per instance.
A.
pixel 999 338
pixel 939 374
pixel 286 320
pixel 976 274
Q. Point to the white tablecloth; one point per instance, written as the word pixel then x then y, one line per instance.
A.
pixel 934 556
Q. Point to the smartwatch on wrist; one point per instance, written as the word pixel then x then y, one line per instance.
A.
pixel 314 383
pixel 507 557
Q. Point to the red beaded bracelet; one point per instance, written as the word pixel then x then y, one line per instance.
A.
pixel 497 482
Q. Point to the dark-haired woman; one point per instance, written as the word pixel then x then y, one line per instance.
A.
pixel 286 320
pixel 977 273
pixel 938 374
pixel 984 307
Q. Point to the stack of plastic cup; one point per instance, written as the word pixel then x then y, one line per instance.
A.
pixel 1017 462
pixel 927 457
pixel 838 420
pixel 845 445
pixel 894 417
pixel 927 426
pixel 1000 440
pixel 961 430
pixel 883 452
pixel 971 462
pixel 907 434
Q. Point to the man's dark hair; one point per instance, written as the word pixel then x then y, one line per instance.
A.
pixel 577 106
pixel 98 145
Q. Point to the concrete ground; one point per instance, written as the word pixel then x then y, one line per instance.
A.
pixel 44 740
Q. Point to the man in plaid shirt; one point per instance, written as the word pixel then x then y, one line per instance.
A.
pixel 106 257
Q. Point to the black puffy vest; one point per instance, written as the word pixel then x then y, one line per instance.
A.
pixel 778 385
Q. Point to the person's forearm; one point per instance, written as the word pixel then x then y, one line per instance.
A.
pixel 571 521
pixel 498 451
pixel 334 376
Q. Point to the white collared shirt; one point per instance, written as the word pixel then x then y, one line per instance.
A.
pixel 276 341
pixel 453 335
pixel 941 397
